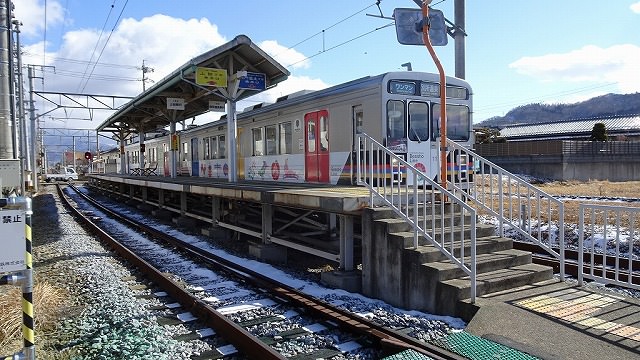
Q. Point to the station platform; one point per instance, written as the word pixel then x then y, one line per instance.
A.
pixel 558 320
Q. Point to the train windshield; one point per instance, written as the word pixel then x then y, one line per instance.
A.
pixel 458 122
pixel 418 121
pixel 395 122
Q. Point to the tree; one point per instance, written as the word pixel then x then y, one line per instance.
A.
pixel 599 133
pixel 488 135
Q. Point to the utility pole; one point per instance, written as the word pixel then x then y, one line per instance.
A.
pixel 6 148
pixel 145 70
pixel 24 143
pixel 34 133
pixel 458 37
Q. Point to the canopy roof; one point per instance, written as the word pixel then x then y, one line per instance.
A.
pixel 148 111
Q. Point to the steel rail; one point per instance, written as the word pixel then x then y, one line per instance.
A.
pixel 234 334
pixel 571 262
pixel 388 338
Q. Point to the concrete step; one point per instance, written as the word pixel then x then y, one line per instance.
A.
pixel 482 231
pixel 451 291
pixel 435 221
pixel 424 209
pixel 429 253
pixel 498 260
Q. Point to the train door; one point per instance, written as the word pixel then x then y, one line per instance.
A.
pixel 419 146
pixel 316 160
pixel 195 163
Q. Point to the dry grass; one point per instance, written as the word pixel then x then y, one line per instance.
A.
pixel 47 305
pixel 629 189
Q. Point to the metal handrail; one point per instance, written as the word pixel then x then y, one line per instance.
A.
pixel 608 224
pixel 510 199
pixel 412 195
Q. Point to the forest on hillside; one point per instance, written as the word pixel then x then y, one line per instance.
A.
pixel 601 106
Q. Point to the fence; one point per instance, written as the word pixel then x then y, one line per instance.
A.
pixel 611 237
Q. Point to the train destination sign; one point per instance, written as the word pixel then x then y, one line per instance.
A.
pixel 12 228
pixel 211 77
pixel 253 81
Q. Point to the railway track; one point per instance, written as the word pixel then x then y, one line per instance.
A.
pixel 239 306
pixel 540 256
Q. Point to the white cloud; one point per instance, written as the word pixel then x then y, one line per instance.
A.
pixel 32 15
pixel 617 64
pixel 285 56
pixel 164 42
pixel 635 7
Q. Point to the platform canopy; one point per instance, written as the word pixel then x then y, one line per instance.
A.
pixel 150 110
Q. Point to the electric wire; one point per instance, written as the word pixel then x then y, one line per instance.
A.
pixel 96 47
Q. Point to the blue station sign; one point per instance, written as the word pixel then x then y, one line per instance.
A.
pixel 253 81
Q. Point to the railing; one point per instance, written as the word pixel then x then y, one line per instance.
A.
pixel 516 204
pixel 611 236
pixel 412 196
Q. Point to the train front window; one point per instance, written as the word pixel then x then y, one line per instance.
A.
pixel 418 121
pixel 458 122
pixel 395 120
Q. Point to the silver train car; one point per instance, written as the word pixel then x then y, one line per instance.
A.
pixel 310 136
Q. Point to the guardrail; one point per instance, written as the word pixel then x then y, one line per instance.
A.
pixel 514 202
pixel 387 176
pixel 611 235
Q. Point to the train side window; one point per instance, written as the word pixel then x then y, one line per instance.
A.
pixel 271 140
pixel 324 133
pixel 258 142
pixel 207 148
pixel 395 120
pixel 358 116
pixel 222 147
pixel 285 138
pixel 185 151
pixel 214 148
pixel 311 136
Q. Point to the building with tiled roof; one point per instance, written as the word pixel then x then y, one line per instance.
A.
pixel 625 127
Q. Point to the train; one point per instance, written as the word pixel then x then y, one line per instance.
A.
pixel 311 136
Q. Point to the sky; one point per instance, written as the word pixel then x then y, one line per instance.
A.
pixel 517 52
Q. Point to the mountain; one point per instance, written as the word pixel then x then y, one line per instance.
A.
pixel 601 106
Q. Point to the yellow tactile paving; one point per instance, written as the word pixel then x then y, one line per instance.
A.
pixel 578 310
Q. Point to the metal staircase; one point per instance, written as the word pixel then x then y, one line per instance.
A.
pixel 425 240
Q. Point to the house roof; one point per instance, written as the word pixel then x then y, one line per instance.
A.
pixel 615 125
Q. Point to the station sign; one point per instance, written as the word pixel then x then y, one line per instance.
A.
pixel 211 77
pixel 175 103
pixel 253 81
pixel 216 106
pixel 12 241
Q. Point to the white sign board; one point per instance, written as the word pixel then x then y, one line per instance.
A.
pixel 12 241
pixel 216 106
pixel 175 103
pixel 10 173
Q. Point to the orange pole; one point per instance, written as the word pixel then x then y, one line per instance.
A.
pixel 443 95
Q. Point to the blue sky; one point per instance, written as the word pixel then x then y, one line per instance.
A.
pixel 517 52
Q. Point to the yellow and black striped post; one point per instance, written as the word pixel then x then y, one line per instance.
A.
pixel 28 325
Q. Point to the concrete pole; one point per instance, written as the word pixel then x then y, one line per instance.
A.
pixel 459 14
pixel 25 154
pixel 34 133
pixel 6 147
